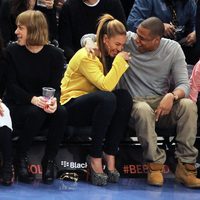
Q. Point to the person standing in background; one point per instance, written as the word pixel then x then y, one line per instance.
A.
pixel 178 17
pixel 10 10
pixel 127 5
pixel 198 30
pixel 79 17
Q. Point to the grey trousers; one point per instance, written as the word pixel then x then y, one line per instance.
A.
pixel 183 115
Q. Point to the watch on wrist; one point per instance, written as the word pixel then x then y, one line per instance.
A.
pixel 175 96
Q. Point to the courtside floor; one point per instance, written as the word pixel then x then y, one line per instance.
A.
pixel 126 189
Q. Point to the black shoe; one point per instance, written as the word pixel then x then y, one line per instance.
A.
pixel 48 171
pixel 7 173
pixel 23 173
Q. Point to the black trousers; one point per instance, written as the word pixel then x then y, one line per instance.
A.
pixel 107 112
pixel 32 120
pixel 191 54
pixel 6 143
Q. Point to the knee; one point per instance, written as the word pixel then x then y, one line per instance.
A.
pixel 142 110
pixel 188 105
pixel 107 98
pixel 5 132
pixel 35 112
pixel 61 112
pixel 124 99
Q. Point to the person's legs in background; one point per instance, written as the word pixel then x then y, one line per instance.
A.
pixel 6 148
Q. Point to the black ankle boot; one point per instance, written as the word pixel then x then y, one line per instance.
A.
pixel 48 171
pixel 7 173
pixel 22 170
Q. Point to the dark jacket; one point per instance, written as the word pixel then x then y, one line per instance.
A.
pixel 8 26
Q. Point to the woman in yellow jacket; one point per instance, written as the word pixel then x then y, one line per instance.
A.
pixel 87 92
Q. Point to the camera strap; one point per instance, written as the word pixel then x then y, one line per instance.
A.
pixel 172 9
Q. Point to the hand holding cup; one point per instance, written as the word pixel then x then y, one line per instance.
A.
pixel 48 94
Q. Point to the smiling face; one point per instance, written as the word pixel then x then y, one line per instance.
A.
pixel 114 44
pixel 32 28
pixel 145 41
pixel 21 33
